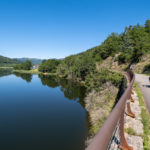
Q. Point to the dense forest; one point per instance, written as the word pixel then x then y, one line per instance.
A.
pixel 128 46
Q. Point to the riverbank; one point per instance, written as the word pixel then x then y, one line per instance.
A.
pixel 6 67
pixel 33 71
pixel 99 105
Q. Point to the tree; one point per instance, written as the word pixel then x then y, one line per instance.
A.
pixel 24 66
pixel 111 46
pixel 147 26
pixel 49 65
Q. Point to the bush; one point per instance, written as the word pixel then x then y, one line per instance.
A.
pixel 49 66
pixel 95 80
pixel 146 69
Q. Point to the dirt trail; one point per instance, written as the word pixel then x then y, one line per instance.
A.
pixel 144 84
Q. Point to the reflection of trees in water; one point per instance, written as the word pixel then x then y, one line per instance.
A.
pixel 24 76
pixel 71 90
pixel 5 72
pixel 50 81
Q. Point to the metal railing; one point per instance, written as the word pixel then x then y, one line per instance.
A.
pixel 113 127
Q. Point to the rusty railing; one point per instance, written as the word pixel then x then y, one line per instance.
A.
pixel 115 122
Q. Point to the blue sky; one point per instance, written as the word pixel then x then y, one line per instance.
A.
pixel 58 28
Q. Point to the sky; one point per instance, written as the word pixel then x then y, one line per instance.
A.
pixel 58 28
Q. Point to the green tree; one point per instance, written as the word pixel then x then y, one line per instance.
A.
pixel 49 65
pixel 24 66
pixel 111 46
pixel 147 26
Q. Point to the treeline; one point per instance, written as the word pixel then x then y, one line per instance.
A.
pixel 49 65
pixel 24 66
pixel 129 46
pixel 5 61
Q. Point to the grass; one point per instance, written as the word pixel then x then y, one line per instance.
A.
pixel 145 119
pixel 4 67
pixel 99 105
pixel 33 71
pixel 27 71
pixel 131 131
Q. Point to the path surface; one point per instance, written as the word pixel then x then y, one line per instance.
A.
pixel 144 84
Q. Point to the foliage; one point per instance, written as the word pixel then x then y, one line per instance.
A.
pixel 49 65
pixel 111 46
pixel 33 71
pixel 24 66
pixel 147 26
pixel 5 61
pixel 146 69
pixel 136 42
pixel 77 67
pixel 95 80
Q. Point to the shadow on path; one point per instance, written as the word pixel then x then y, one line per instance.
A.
pixel 148 86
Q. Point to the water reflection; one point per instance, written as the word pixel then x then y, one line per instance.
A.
pixel 5 72
pixel 50 81
pixel 24 76
pixel 36 117
pixel 71 90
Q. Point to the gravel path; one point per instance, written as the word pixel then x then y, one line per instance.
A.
pixel 144 84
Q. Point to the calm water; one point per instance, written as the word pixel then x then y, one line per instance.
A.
pixel 41 113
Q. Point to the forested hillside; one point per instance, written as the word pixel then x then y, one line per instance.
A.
pixel 5 61
pixel 125 49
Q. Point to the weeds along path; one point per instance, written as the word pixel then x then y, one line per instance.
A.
pixel 144 84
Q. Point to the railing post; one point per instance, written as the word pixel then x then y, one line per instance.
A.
pixel 123 143
pixel 129 111
pixel 131 99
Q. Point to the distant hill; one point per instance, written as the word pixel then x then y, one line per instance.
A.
pixel 5 61
pixel 35 61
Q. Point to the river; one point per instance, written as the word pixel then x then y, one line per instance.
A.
pixel 41 113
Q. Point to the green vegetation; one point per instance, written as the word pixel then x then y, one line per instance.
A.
pixel 33 71
pixel 7 62
pixel 147 69
pixel 97 79
pixel 136 42
pixel 24 66
pixel 27 71
pixel 131 131
pixel 145 119
pixel 49 66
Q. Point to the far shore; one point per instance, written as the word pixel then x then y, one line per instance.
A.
pixel 33 71
pixel 3 67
